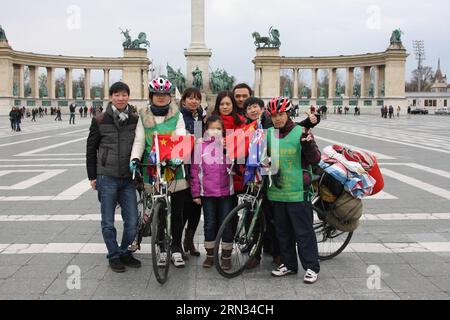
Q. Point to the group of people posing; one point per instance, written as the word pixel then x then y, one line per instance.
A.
pixel 122 138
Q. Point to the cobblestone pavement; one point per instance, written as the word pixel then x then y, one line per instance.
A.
pixel 50 222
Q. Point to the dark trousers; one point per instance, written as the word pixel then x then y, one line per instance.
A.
pixel 294 226
pixel 270 241
pixel 178 200
pixel 192 213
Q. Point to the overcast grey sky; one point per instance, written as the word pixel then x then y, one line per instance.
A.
pixel 308 27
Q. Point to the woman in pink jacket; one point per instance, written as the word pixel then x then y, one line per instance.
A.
pixel 212 187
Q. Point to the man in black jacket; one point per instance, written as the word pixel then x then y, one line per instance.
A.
pixel 72 109
pixel 109 147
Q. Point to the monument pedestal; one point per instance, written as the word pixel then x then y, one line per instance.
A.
pixel 198 58
pixel 135 77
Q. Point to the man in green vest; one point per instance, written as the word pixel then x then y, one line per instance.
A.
pixel 293 151
pixel 164 117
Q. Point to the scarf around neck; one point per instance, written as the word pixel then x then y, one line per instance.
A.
pixel 160 111
pixel 121 115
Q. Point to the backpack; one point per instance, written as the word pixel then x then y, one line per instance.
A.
pixel 345 213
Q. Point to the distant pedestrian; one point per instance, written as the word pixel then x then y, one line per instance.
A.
pixel 324 112
pixel 72 110
pixel 391 112
pixel 398 111
pixel 58 115
pixel 12 119
pixel 33 113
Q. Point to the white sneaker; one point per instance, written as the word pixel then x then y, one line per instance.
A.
pixel 282 271
pixel 162 260
pixel 311 277
pixel 177 260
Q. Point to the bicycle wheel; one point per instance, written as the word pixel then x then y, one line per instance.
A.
pixel 142 210
pixel 330 241
pixel 245 247
pixel 161 241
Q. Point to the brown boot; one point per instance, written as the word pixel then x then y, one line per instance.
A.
pixel 209 262
pixel 188 243
pixel 226 259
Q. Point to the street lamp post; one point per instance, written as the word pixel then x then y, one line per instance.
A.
pixel 419 51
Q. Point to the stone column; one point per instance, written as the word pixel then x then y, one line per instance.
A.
pixel 257 85
pixel 145 83
pixel 314 84
pixel 377 88
pixel 198 24
pixel 332 83
pixel 198 55
pixel 6 78
pixel 269 73
pixel 106 83
pixel 87 84
pixel 295 94
pixel 34 81
pixel 51 87
pixel 21 81
pixel 349 82
pixel 365 82
pixel 381 80
pixel 395 77
pixel 18 80
pixel 69 84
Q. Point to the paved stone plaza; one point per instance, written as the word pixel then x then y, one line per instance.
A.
pixel 50 222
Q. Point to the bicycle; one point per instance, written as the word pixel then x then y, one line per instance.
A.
pixel 249 225
pixel 331 242
pixel 157 199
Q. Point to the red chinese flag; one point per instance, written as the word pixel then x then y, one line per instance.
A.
pixel 175 147
pixel 239 141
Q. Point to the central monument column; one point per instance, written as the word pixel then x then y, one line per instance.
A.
pixel 198 55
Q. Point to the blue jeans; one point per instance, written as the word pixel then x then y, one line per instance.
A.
pixel 72 118
pixel 113 191
pixel 215 211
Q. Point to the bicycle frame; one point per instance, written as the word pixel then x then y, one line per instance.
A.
pixel 255 201
pixel 160 189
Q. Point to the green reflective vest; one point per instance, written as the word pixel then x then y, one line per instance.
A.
pixel 286 156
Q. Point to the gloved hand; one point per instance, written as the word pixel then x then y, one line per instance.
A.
pixel 134 165
pixel 176 162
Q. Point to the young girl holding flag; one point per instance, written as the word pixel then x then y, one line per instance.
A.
pixel 212 187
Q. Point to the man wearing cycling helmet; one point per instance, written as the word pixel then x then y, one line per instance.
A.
pixel 292 150
pixel 163 116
